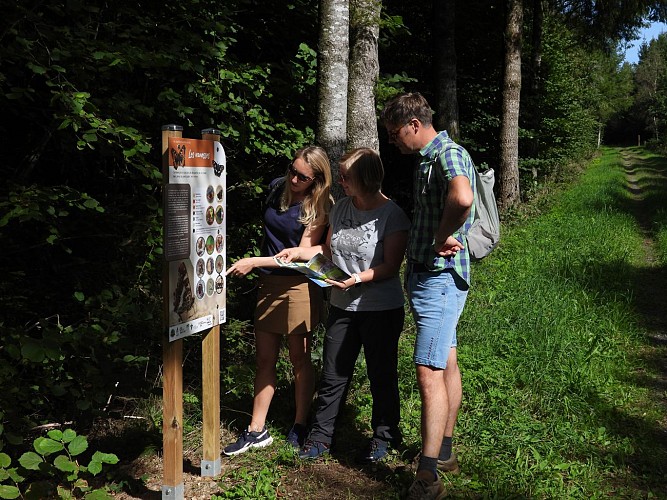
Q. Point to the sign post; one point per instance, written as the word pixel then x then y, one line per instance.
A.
pixel 194 289
pixel 211 464
pixel 172 372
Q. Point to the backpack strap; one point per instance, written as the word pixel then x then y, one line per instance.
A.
pixel 474 180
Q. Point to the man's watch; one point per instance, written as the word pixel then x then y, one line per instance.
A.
pixel 357 279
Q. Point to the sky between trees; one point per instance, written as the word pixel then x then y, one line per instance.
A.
pixel 645 35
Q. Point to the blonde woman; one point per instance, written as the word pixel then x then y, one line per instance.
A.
pixel 288 303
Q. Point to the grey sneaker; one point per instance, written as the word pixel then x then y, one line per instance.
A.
pixel 424 489
pixel 248 440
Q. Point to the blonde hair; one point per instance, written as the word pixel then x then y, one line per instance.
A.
pixel 364 166
pixel 317 203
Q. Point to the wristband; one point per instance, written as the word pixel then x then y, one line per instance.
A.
pixel 357 279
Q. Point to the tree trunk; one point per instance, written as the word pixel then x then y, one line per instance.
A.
pixel 362 130
pixel 332 80
pixel 447 105
pixel 509 132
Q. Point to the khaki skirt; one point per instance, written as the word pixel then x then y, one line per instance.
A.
pixel 287 304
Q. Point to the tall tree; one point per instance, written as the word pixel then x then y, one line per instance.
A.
pixel 509 133
pixel 446 102
pixel 332 81
pixel 362 128
pixel 650 79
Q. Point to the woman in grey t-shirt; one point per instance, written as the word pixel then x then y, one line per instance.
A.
pixel 367 239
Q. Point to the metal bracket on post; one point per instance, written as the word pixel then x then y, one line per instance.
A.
pixel 172 492
pixel 211 468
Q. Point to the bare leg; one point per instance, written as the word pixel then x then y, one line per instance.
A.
pixel 435 408
pixel 267 348
pixel 453 384
pixel 299 353
pixel 441 393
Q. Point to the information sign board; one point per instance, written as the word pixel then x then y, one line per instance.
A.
pixel 195 235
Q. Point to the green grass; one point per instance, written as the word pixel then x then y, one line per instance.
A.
pixel 556 365
pixel 549 348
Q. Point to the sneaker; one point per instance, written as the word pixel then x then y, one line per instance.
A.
pixel 425 489
pixel 297 435
pixel 248 440
pixel 376 450
pixel 314 449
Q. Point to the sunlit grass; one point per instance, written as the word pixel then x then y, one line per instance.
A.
pixel 548 346
pixel 556 403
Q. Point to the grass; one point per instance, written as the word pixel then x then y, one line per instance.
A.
pixel 549 345
pixel 563 393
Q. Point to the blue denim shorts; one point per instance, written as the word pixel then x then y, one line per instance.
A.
pixel 437 300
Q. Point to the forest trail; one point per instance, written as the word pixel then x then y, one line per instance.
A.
pixel 645 178
pixel 652 295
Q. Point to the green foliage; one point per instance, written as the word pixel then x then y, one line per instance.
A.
pixel 650 87
pixel 567 129
pixel 250 483
pixel 85 89
pixel 53 468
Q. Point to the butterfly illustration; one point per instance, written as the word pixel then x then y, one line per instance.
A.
pixel 217 168
pixel 178 155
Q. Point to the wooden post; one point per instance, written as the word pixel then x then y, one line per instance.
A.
pixel 172 371
pixel 211 464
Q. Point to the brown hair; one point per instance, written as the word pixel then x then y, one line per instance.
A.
pixel 404 107
pixel 365 169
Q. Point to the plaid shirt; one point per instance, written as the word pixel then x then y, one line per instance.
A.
pixel 442 159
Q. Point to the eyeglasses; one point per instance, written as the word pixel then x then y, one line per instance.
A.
pixel 300 177
pixel 343 177
pixel 393 135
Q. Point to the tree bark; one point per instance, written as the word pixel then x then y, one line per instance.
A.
pixel 332 81
pixel 362 130
pixel 509 193
pixel 444 31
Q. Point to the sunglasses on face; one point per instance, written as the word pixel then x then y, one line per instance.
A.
pixel 299 176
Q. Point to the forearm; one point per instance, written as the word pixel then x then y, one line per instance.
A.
pixel 457 208
pixel 264 262
pixel 450 221
pixel 376 273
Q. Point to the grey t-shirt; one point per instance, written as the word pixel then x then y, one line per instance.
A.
pixel 357 244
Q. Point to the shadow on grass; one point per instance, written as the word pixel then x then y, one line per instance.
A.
pixel 642 197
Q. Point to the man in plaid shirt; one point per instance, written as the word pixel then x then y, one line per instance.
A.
pixel 438 276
